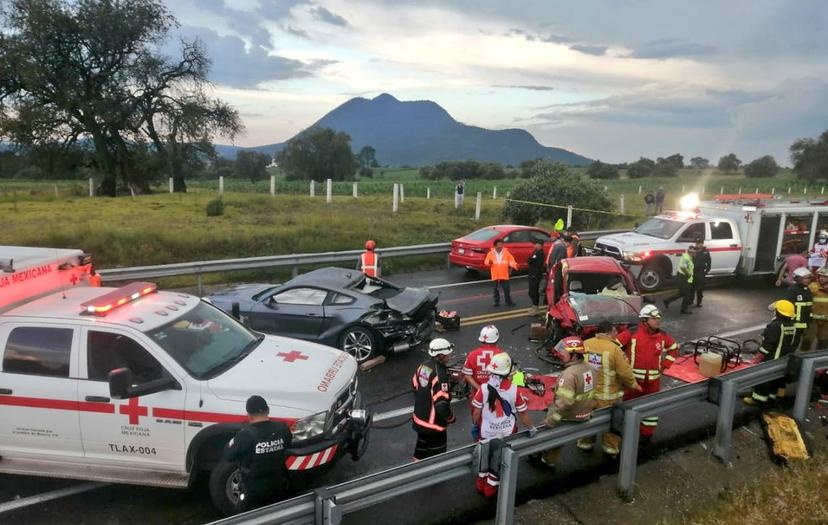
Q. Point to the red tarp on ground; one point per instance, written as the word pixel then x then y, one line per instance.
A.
pixel 537 402
pixel 685 369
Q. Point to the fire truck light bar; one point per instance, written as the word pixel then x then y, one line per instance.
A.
pixel 105 303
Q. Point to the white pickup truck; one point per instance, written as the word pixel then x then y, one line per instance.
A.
pixel 133 385
pixel 745 234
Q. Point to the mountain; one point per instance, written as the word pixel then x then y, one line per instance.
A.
pixel 419 133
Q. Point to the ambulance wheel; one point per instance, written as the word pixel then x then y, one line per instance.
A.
pixel 225 487
pixel 360 342
pixel 651 278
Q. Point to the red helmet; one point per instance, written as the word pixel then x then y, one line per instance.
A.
pixel 572 344
pixel 370 245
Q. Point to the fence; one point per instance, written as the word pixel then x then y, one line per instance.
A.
pixel 294 261
pixel 328 505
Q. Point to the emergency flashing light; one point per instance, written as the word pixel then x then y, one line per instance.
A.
pixel 107 302
pixel 689 201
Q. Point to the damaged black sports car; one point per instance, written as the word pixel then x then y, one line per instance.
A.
pixel 363 316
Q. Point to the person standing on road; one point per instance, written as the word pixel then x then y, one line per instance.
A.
pixel 369 262
pixel 659 200
pixel 501 262
pixel 260 449
pixel 791 264
pixel 649 351
pixel 497 405
pixel 649 203
pixel 613 375
pixel 557 252
pixel 684 279
pixel 817 333
pixel 537 268
pixel 800 295
pixel 701 267
pixel 574 392
pixel 778 339
pixel 432 401
pixel 475 368
pixel 94 278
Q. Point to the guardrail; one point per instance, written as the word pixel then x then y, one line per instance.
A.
pixel 328 505
pixel 199 268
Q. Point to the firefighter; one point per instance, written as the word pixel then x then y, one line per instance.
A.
pixel 800 295
pixel 574 393
pixel 817 332
pixel 536 270
pixel 432 401
pixel 779 339
pixel 260 450
pixel 649 351
pixel 613 375
pixel 369 262
pixel 498 404
pixel 501 262
pixel 684 279
pixel 475 368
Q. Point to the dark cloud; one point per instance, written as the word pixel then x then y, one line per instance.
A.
pixel 670 48
pixel 325 15
pixel 590 50
pixel 521 86
pixel 296 32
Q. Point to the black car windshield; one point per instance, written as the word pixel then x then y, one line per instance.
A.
pixel 660 228
pixel 205 341
pixel 484 234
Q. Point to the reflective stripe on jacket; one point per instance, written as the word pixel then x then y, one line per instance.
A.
pixel 500 264
pixel 819 310
pixel 648 352
pixel 574 394
pixel 614 373
pixel 432 397
pixel 369 263
pixel 779 339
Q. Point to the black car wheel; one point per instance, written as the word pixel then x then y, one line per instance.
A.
pixel 360 342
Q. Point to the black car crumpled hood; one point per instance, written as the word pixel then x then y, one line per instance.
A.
pixel 410 300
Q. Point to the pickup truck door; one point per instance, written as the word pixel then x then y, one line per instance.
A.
pixel 724 245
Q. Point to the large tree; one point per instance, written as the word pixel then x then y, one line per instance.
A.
pixel 699 163
pixel 762 167
pixel 810 157
pixel 318 154
pixel 641 168
pixel 729 163
pixel 602 170
pixel 252 165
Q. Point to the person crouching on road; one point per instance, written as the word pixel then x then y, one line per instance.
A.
pixel 497 406
pixel 475 370
pixel 537 268
pixel 779 339
pixel 260 449
pixel 684 279
pixel 613 375
pixel 799 294
pixel 369 262
pixel 432 401
pixel 574 393
pixel 501 262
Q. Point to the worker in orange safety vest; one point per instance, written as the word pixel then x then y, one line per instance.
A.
pixel 501 261
pixel 369 262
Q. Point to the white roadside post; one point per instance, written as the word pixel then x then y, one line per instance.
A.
pixel 428 192
pixel 757 190
pixel 682 188
pixel 773 190
pixel 313 188
pixel 478 205
pixel 402 192
pixel 704 187
pixel 822 191
pixel 171 185
pixel 721 190
pixel 56 191
pixel 569 216
pixel 789 190
pixel 621 207
pixel 272 185
pixel 328 191
pixel 494 193
pixel 355 190
pixel 91 187
pixel 639 189
pixel 456 200
pixel 740 190
pixel 221 184
pixel 805 190
pixel 396 200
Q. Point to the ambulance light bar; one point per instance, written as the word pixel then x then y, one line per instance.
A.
pixel 105 303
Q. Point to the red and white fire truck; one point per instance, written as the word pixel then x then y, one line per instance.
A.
pixel 745 234
pixel 135 385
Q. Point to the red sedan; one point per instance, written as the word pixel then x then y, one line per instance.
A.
pixel 470 251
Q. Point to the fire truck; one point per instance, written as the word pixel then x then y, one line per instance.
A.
pixel 746 234
pixel 135 385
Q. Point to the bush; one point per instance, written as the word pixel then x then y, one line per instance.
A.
pixel 366 173
pixel 729 163
pixel 762 167
pixel 664 168
pixel 601 170
pixel 641 168
pixel 215 207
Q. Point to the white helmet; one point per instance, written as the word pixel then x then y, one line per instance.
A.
pixel 489 334
pixel 802 272
pixel 650 311
pixel 440 346
pixel 500 364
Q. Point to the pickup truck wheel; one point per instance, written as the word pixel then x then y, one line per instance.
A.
pixel 651 278
pixel 360 342
pixel 225 487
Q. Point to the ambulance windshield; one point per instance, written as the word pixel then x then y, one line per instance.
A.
pixel 660 228
pixel 206 341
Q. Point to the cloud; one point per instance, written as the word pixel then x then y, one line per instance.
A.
pixel 519 86
pixel 589 50
pixel 325 15
pixel 296 32
pixel 670 47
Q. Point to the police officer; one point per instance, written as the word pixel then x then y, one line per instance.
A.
pixel 432 401
pixel 536 271
pixel 800 295
pixel 259 449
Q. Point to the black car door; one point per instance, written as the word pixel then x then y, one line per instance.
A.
pixel 293 312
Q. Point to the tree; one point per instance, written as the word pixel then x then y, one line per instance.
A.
pixel 762 167
pixel 810 157
pixel 252 165
pixel 729 163
pixel 641 168
pixel 318 154
pixel 699 163
pixel 367 160
pixel 554 184
pixel 675 160
pixel 665 167
pixel 601 170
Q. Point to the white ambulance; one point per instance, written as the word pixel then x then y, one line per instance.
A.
pixel 745 234
pixel 133 385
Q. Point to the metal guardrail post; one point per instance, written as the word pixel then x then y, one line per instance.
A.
pixel 722 444
pixel 199 285
pixel 629 454
pixel 327 512
pixel 509 463
pixel 803 389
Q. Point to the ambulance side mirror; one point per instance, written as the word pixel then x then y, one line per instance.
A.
pixel 120 381
pixel 121 387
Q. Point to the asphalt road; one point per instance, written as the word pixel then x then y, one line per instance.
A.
pixel 730 308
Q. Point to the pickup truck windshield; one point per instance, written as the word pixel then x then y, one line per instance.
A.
pixel 205 341
pixel 660 228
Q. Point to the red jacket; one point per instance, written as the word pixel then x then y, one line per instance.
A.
pixel 648 352
pixel 478 359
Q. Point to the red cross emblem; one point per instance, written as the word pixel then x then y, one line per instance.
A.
pixel 588 379
pixel 292 356
pixel 74 279
pixel 133 410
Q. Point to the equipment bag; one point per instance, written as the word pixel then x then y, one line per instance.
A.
pixel 448 319
pixel 784 437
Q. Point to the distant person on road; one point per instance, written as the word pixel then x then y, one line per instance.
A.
pixel 779 339
pixel 659 200
pixel 459 192
pixel 94 278
pixel 558 250
pixel 474 368
pixel 501 262
pixel 260 449
pixel 573 246
pixel 369 262
pixel 701 267
pixel 537 268
pixel 649 202
pixel 791 264
pixel 684 279
pixel 432 401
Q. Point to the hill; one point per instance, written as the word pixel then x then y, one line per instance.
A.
pixel 421 132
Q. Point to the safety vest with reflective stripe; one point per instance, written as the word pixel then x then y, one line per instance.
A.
pixel 648 352
pixel 574 394
pixel 369 263
pixel 432 397
pixel 819 311
pixel 605 355
pixel 778 339
pixel 802 299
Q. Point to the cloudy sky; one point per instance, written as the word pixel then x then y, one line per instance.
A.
pixel 610 79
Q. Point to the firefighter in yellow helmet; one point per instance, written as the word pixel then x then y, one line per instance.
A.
pixel 778 339
pixel 817 331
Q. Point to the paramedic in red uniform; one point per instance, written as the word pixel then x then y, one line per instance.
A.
pixel 475 369
pixel 649 351
pixel 369 263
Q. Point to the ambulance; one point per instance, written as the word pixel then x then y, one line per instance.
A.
pixel 746 234
pixel 135 385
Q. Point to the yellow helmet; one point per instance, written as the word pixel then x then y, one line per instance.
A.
pixel 785 308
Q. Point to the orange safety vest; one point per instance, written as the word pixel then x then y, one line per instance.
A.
pixel 500 268
pixel 369 261
pixel 95 280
